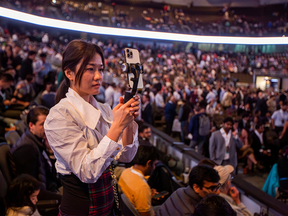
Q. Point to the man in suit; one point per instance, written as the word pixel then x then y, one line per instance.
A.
pixel 144 135
pixel 244 123
pixel 258 143
pixel 170 113
pixel 146 109
pixel 261 104
pixel 223 144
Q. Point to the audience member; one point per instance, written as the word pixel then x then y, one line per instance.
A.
pixel 279 118
pixel 203 180
pixel 259 145
pixel 144 135
pixel 170 113
pixel 133 183
pixel 147 111
pixel 230 194
pixel 194 125
pixel 21 197
pixel 223 145
pixel 36 161
pixel 27 65
pixel 213 205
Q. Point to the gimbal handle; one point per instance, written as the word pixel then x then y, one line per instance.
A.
pixel 136 70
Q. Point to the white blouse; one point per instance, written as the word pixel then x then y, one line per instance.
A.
pixel 76 131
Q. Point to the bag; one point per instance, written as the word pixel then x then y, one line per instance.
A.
pixel 204 125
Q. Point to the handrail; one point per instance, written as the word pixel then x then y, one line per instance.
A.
pixel 245 187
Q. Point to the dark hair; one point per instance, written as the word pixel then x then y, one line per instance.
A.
pixel 144 154
pixel 203 172
pixel 5 77
pixel 43 55
pixel 75 52
pixel 245 114
pixel 213 205
pixel 228 119
pixel 31 52
pixel 143 127
pixel 29 77
pixel 147 96
pixel 18 194
pixel 33 114
pixel 207 162
pixel 258 125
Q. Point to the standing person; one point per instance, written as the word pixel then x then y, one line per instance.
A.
pixel 194 125
pixel 27 65
pixel 279 118
pixel 109 94
pixel 86 136
pixel 183 117
pixel 170 113
pixel 147 111
pixel 223 144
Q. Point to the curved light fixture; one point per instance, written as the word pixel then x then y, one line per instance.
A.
pixel 55 23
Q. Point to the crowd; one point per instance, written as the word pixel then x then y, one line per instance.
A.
pixel 168 19
pixel 220 120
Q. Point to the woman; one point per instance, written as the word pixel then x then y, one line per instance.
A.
pixel 247 152
pixel 21 197
pixel 86 136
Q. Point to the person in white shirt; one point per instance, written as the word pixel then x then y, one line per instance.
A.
pixel 109 94
pixel 279 118
pixel 159 101
pixel 86 136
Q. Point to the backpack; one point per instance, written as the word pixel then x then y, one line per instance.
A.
pixel 204 125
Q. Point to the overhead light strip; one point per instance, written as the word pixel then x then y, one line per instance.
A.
pixel 55 23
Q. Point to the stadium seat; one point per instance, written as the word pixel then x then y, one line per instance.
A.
pixel 7 166
pixel 128 208
pixel 11 137
pixel 20 127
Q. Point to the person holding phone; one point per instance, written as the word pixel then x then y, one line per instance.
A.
pixel 86 136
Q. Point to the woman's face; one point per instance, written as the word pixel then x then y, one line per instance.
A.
pixel 33 197
pixel 91 78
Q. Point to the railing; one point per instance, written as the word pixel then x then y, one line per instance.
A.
pixel 253 198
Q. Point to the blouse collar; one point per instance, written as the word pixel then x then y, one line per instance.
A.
pixel 90 112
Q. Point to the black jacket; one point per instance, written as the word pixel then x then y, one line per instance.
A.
pixel 28 154
pixel 147 114
pixel 26 68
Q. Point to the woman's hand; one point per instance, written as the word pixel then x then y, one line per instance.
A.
pixel 124 114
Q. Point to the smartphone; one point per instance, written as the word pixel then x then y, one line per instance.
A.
pixel 161 194
pixel 132 57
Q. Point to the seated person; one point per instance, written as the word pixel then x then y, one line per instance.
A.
pixel 31 156
pixel 213 205
pixel 258 143
pixel 144 135
pixel 134 185
pixel 282 169
pixel 6 116
pixel 24 91
pixel 203 180
pixel 21 197
pixel 230 194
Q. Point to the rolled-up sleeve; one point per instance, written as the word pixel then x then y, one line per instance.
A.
pixel 70 147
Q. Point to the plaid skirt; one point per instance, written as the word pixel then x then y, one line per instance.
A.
pixel 101 196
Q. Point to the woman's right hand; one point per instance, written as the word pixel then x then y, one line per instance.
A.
pixel 123 114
